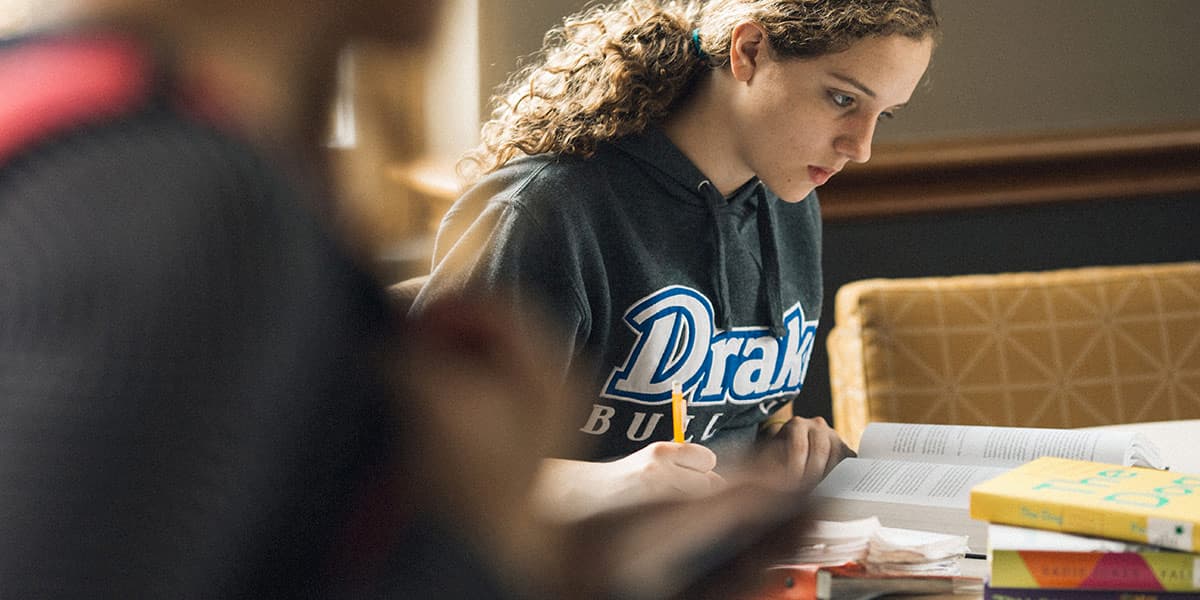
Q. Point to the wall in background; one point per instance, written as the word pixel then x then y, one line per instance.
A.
pixel 453 80
pixel 1003 67
pixel 1036 66
pixel 510 30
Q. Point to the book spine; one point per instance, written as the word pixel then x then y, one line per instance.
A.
pixel 1170 571
pixel 1002 593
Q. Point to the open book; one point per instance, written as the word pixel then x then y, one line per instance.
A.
pixel 920 476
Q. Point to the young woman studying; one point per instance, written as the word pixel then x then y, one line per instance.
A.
pixel 648 181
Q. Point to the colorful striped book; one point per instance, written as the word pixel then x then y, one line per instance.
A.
pixel 1033 558
pixel 999 593
pixel 1104 500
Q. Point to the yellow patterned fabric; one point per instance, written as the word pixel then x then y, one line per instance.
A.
pixel 1067 348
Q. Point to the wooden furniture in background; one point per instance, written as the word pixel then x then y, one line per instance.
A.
pixel 925 177
pixel 433 185
pixel 984 173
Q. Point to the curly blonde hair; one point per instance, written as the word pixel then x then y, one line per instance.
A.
pixel 612 70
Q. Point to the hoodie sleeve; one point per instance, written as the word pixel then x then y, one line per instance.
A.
pixel 497 242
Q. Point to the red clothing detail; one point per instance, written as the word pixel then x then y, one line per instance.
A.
pixel 61 83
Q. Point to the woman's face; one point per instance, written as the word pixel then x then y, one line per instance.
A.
pixel 800 121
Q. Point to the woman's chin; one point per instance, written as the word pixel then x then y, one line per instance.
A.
pixel 794 194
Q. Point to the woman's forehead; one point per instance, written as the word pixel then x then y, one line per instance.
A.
pixel 886 68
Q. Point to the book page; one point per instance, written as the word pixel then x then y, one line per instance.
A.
pixel 939 519
pixel 1002 446
pixel 921 483
pixel 911 495
pixel 1007 537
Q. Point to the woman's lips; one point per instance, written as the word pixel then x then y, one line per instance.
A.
pixel 818 175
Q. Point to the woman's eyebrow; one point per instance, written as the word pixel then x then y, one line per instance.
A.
pixel 862 88
pixel 854 82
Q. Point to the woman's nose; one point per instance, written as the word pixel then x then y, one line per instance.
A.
pixel 855 142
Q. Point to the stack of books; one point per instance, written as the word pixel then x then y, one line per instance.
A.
pixel 858 560
pixel 1071 529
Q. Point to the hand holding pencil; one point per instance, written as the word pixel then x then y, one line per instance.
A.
pixel 678 413
pixel 662 471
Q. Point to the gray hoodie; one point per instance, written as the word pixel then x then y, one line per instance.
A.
pixel 653 277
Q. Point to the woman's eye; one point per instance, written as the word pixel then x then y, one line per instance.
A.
pixel 842 100
pixel 883 116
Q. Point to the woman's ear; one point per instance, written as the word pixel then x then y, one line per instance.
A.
pixel 747 46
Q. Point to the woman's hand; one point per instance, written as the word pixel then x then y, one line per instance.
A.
pixel 804 450
pixel 571 489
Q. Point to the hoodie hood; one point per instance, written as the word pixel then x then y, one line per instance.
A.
pixel 654 148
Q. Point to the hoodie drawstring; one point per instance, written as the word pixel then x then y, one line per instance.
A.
pixel 770 255
pixel 720 278
pixel 767 247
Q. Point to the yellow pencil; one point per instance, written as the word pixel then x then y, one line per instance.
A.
pixel 678 411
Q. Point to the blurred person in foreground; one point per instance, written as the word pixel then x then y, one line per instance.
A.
pixel 191 391
pixel 197 379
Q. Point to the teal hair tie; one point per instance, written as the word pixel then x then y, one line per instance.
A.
pixel 696 48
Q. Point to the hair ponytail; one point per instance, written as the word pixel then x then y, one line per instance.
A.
pixel 604 73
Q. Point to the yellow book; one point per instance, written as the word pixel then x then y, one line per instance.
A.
pixel 1089 498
